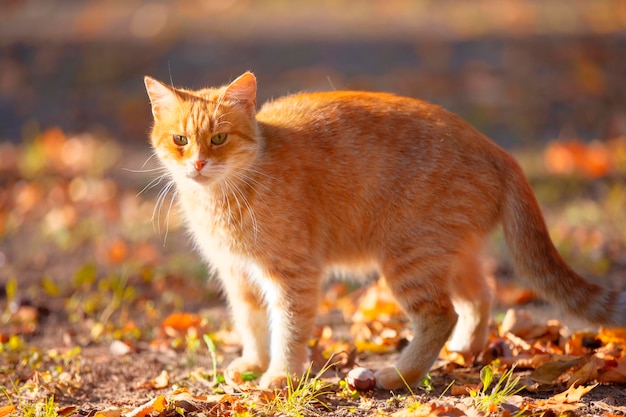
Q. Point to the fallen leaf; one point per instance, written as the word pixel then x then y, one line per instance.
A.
pixel 161 381
pixel 616 375
pixel 616 336
pixel 177 323
pixel 112 412
pixel 586 373
pixel 573 394
pixel 549 372
pixel 149 407
pixel 6 410
pixel 567 401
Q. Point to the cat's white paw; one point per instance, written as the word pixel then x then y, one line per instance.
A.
pixel 388 379
pixel 274 380
pixel 233 372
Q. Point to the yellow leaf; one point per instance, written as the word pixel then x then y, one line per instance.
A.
pixel 616 336
pixel 363 346
pixel 573 394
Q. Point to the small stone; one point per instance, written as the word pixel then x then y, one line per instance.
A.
pixel 119 348
pixel 361 379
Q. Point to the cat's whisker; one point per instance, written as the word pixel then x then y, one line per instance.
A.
pixel 141 171
pixel 156 212
pixel 224 191
pixel 234 191
pixel 169 210
pixel 148 160
pixel 153 183
pixel 237 191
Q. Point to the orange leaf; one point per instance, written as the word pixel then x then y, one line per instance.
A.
pixel 160 404
pixel 181 322
pixel 114 412
pixel 6 410
pixel 617 336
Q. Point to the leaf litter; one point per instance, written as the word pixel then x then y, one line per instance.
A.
pixel 97 318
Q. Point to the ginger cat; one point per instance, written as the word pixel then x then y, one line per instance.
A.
pixel 276 199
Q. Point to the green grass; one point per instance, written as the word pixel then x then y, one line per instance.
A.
pixel 490 401
pixel 302 397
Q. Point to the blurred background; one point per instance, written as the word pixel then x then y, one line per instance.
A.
pixel 521 71
pixel 82 229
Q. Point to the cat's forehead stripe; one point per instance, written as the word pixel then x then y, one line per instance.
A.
pixel 198 117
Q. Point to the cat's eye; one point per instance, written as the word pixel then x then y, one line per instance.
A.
pixel 219 138
pixel 180 140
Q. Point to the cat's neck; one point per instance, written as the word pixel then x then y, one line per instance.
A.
pixel 223 205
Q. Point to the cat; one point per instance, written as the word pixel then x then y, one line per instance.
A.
pixel 363 181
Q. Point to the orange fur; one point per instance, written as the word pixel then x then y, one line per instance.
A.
pixel 352 180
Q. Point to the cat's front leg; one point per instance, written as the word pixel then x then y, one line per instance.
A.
pixel 292 307
pixel 249 315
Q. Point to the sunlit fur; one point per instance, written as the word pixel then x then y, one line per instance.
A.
pixel 356 180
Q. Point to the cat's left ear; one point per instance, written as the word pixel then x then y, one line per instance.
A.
pixel 162 97
pixel 243 91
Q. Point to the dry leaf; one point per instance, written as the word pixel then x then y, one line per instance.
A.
pixel 572 394
pixel 616 375
pixel 113 412
pixel 567 401
pixel 549 372
pixel 177 323
pixel 157 404
pixel 161 381
pixel 616 336
pixel 6 410
pixel 586 373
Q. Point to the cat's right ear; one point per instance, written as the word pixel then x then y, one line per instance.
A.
pixel 162 97
pixel 243 91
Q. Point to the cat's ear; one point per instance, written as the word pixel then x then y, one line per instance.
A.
pixel 243 91
pixel 162 97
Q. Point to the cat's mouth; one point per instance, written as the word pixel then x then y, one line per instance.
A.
pixel 198 177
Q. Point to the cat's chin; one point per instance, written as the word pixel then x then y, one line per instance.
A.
pixel 198 178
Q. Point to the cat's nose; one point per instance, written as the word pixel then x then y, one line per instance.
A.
pixel 199 164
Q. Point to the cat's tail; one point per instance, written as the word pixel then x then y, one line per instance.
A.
pixel 536 259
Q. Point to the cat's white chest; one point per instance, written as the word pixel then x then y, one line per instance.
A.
pixel 212 229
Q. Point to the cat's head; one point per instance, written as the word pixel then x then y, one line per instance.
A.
pixel 207 135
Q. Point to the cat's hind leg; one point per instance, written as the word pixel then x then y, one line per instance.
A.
pixel 471 296
pixel 420 286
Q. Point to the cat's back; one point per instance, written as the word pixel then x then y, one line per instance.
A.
pixel 337 107
pixel 366 119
